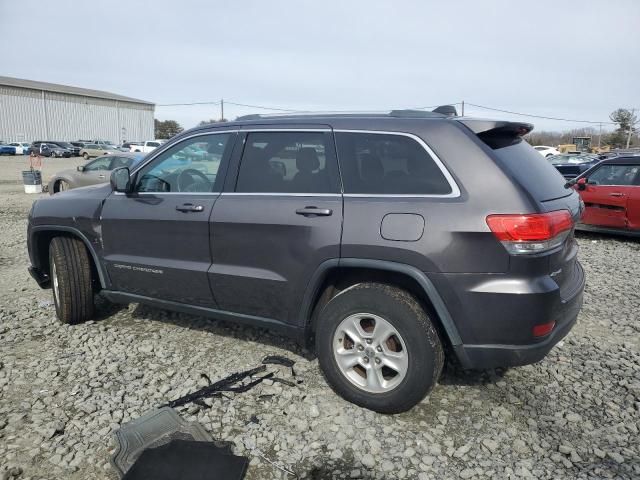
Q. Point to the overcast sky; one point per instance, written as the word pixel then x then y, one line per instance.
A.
pixel 573 59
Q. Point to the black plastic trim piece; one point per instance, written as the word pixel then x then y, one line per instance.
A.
pixel 263 322
pixel 102 275
pixel 419 276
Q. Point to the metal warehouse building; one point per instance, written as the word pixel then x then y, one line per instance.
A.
pixel 31 111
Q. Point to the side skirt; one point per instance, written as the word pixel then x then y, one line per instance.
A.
pixel 269 323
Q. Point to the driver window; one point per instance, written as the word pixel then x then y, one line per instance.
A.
pixel 189 166
pixel 614 175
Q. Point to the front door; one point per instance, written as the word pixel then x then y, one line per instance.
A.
pixel 156 239
pixel 607 193
pixel 279 217
pixel 96 171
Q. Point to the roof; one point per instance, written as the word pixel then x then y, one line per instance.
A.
pixel 626 160
pixel 54 87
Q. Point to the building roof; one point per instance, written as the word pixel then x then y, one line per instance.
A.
pixel 54 87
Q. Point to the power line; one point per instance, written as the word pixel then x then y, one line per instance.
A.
pixel 186 104
pixel 538 116
pixel 263 107
pixel 289 110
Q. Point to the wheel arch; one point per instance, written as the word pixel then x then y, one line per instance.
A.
pixel 41 237
pixel 333 276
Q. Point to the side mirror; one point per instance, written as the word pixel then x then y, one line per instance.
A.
pixel 121 180
pixel 81 168
pixel 582 183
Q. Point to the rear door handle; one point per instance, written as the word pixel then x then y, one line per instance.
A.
pixel 616 194
pixel 189 207
pixel 314 212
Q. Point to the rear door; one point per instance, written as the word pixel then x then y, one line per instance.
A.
pixel 607 193
pixel 279 217
pixel 156 240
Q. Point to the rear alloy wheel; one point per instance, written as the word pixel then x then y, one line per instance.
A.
pixel 378 348
pixel 71 280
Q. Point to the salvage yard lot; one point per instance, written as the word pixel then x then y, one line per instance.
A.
pixel 63 390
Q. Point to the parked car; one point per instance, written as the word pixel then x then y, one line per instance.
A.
pixel 94 150
pixel 7 149
pixel 47 149
pixel 571 165
pixel 128 145
pixel 546 151
pixel 75 151
pixel 94 172
pixel 22 148
pixel 146 147
pixel 611 195
pixel 347 232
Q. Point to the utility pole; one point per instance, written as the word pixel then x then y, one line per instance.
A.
pixel 221 109
pixel 462 108
pixel 599 135
pixel 631 123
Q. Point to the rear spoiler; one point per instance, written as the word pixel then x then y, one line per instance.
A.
pixel 497 133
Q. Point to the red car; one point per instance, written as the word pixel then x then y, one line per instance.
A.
pixel 611 195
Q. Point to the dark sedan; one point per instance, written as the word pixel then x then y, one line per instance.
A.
pixel 572 165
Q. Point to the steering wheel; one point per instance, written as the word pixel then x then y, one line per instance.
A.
pixel 187 183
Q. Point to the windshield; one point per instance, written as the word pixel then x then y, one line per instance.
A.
pixel 65 145
pixel 570 159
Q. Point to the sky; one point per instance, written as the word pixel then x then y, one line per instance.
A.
pixel 570 59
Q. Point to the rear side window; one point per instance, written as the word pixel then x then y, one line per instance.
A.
pixel 288 162
pixel 373 163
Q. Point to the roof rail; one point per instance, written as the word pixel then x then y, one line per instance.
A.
pixel 442 111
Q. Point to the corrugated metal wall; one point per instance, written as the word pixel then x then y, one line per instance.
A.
pixel 29 115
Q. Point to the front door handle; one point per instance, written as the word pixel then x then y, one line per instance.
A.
pixel 616 194
pixel 189 207
pixel 314 212
pixel 100 176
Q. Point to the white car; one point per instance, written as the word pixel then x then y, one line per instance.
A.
pixel 146 147
pixel 21 147
pixel 546 151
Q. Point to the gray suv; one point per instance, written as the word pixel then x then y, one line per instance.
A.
pixel 385 242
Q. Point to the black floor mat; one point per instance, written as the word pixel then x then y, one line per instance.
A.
pixel 187 460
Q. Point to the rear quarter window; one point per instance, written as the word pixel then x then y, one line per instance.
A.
pixel 536 174
pixel 390 164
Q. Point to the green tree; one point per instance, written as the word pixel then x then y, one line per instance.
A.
pixel 626 120
pixel 211 120
pixel 167 128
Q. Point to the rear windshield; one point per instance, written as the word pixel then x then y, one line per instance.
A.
pixel 532 171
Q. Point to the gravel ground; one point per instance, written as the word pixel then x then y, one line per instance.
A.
pixel 63 390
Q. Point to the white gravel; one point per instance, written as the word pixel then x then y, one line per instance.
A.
pixel 63 390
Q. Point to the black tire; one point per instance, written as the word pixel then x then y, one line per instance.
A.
pixel 73 296
pixel 85 155
pixel 408 317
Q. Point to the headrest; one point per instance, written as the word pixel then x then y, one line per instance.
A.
pixel 307 160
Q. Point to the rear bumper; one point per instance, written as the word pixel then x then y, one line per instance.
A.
pixel 564 313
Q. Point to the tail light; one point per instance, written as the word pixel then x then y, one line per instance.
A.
pixel 531 233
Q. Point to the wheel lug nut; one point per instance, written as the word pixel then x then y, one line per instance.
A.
pixel 368 341
pixel 379 348
pixel 377 361
pixel 366 359
pixel 360 348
